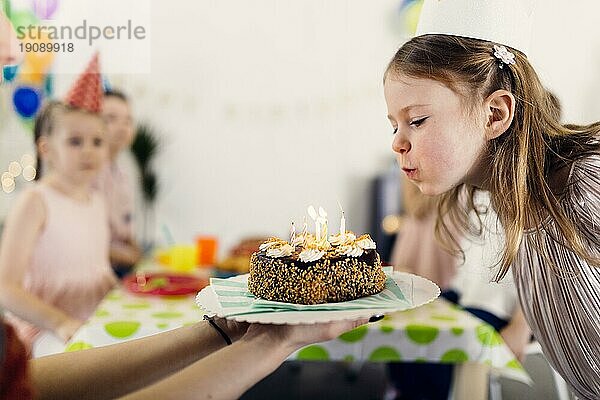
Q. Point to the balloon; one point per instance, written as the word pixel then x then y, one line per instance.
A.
pixel 7 8
pixel 29 76
pixel 39 60
pixel 44 9
pixel 28 124
pixel 49 86
pixel 26 101
pixel 9 72
pixel 407 3
pixel 411 16
pixel 22 19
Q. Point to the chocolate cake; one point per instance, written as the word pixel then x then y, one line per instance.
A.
pixel 310 270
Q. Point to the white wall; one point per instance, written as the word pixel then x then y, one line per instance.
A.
pixel 268 105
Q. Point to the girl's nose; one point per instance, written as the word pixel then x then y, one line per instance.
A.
pixel 400 145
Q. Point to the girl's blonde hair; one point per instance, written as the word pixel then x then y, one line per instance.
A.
pixel 522 159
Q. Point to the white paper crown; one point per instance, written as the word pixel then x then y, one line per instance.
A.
pixel 506 22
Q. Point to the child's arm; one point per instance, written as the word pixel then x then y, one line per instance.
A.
pixel 23 226
pixel 517 333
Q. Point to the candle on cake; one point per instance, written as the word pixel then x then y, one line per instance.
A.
pixel 342 221
pixel 293 233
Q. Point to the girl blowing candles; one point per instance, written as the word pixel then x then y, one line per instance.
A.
pixel 469 114
pixel 54 266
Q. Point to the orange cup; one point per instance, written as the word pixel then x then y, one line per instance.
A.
pixel 207 250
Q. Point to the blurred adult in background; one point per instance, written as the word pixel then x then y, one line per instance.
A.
pixel 116 185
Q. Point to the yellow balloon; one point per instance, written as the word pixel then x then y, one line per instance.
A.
pixel 38 52
pixel 411 16
pixel 30 75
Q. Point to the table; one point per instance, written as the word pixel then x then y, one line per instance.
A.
pixel 436 332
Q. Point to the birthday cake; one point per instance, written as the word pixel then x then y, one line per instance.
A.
pixel 314 269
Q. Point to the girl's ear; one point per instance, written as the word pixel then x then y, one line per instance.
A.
pixel 500 107
pixel 43 147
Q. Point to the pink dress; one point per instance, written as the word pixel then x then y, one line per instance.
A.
pixel 69 267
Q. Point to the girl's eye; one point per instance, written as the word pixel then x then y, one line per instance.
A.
pixel 75 141
pixel 395 131
pixel 418 122
pixel 97 142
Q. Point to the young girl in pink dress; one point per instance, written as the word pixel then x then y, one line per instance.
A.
pixel 469 114
pixel 54 266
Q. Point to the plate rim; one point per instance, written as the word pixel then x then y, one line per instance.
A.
pixel 349 315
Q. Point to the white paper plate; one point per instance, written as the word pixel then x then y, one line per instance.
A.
pixel 416 288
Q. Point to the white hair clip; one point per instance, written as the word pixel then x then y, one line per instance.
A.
pixel 505 56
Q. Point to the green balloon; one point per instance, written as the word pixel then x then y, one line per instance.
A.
pixel 21 20
pixel 28 124
pixel 7 8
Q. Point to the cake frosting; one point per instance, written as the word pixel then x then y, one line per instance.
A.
pixel 313 270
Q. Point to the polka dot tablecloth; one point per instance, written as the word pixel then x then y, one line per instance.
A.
pixel 125 316
pixel 437 332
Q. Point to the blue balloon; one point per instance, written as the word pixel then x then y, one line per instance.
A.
pixel 10 72
pixel 26 101
pixel 406 3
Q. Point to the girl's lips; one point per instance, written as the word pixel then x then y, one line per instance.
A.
pixel 410 172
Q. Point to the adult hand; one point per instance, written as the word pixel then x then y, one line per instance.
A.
pixel 67 328
pixel 235 330
pixel 296 336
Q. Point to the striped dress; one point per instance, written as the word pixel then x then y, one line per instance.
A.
pixel 561 299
